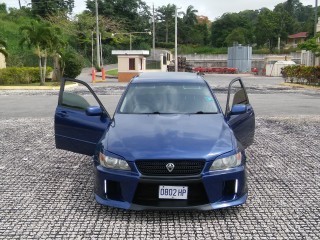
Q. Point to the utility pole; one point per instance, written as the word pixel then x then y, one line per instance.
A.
pixel 98 36
pixel 175 41
pixel 153 33
pixel 20 4
pixel 315 18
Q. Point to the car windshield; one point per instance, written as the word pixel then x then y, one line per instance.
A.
pixel 168 98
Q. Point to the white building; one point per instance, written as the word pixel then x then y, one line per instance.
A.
pixel 2 61
pixel 130 63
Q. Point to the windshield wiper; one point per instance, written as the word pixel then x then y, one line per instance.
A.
pixel 201 112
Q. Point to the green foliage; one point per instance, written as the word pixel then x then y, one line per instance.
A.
pixel 263 27
pixel 165 15
pixel 302 74
pixel 45 8
pixel 72 64
pixel 24 75
pixel 3 8
pixel 272 25
pixel 45 39
pixel 133 14
pixel 192 49
pixel 311 45
pixel 260 28
pixel 223 27
pixel 165 45
pixel 237 35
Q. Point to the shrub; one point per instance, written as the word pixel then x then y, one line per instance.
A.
pixel 21 75
pixel 302 74
pixel 164 45
pixel 73 64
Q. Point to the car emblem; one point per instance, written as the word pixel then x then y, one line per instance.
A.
pixel 170 167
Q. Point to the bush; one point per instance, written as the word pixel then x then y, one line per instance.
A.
pixel 21 75
pixel 73 64
pixel 164 45
pixel 302 74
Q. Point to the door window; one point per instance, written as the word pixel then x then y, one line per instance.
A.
pixel 236 94
pixel 77 96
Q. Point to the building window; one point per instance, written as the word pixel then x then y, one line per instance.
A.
pixel 132 64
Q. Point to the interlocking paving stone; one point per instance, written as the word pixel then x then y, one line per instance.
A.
pixel 47 193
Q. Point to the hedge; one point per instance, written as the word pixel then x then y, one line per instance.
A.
pixel 21 75
pixel 302 74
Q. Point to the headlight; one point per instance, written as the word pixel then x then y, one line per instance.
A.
pixel 227 162
pixel 114 163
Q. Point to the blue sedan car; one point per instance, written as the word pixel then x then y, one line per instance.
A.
pixel 169 144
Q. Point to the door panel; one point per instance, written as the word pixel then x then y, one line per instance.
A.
pixel 75 131
pixel 243 125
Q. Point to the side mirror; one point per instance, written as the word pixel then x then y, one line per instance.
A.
pixel 238 109
pixel 94 111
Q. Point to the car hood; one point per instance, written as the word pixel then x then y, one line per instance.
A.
pixel 168 136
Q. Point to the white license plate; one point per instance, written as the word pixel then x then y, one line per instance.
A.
pixel 173 192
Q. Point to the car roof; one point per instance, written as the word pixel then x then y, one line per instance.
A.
pixel 182 77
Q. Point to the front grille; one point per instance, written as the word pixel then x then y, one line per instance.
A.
pixel 147 194
pixel 181 167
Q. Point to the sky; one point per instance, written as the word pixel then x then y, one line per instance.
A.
pixel 210 8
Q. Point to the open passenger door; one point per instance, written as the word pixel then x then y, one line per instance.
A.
pixel 239 113
pixel 80 118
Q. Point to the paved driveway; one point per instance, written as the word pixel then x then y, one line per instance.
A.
pixel 47 193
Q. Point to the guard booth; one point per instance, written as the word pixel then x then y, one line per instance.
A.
pixel 130 63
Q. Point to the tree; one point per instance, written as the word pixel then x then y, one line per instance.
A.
pixel 190 17
pixel 222 27
pixel 45 39
pixel 166 17
pixel 237 35
pixel 44 8
pixel 312 45
pixel 3 8
pixel 132 14
pixel 271 25
pixel 71 63
pixel 301 17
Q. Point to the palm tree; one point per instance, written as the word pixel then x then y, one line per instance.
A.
pixel 166 14
pixel 45 39
pixel 190 17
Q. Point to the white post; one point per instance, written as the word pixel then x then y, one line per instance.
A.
pixel 153 33
pixel 315 17
pixel 176 42
pixel 101 57
pixel 97 36
pixel 92 49
pixel 130 42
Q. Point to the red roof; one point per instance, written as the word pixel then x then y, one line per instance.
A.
pixel 299 35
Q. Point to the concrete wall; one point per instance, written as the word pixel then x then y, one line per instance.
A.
pixel 2 61
pixel 220 60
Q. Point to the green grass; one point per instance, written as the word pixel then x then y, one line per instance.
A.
pixel 48 84
pixel 113 72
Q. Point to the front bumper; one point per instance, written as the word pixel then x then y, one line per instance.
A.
pixel 129 190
